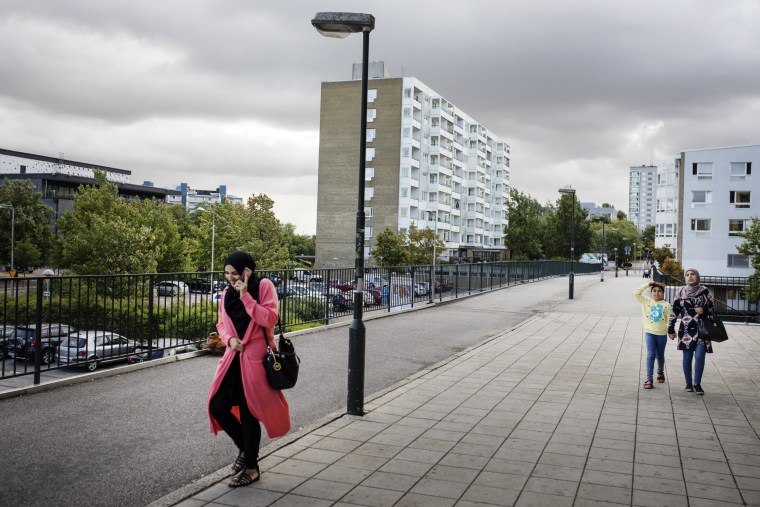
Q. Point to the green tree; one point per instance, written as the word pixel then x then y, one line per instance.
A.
pixel 298 244
pixel 31 225
pixel 647 238
pixel 264 238
pixel 751 248
pixel 390 249
pixel 27 256
pixel 621 215
pixel 421 243
pixel 568 219
pixel 621 234
pixel 662 254
pixel 103 234
pixel 525 221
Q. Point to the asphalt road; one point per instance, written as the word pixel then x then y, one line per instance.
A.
pixel 132 438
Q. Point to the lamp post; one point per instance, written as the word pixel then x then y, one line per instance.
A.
pixel 13 230
pixel 616 263
pixel 342 24
pixel 213 236
pixel 569 190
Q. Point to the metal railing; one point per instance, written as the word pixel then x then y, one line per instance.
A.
pixel 730 304
pixel 41 317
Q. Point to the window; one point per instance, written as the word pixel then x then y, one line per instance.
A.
pixel 702 170
pixel 369 173
pixel 370 154
pixel 367 232
pixel 406 132
pixel 737 261
pixel 405 172
pixel 371 115
pixel 371 133
pixel 369 193
pixel 405 152
pixel 700 198
pixel 666 204
pixel 371 95
pixel 368 212
pixel 404 212
pixel 700 224
pixel 436 103
pixel 737 226
pixel 739 199
pixel 408 93
pixel 740 169
pixel 407 112
pixel 404 192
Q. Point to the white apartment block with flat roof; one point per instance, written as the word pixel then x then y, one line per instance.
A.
pixel 666 216
pixel 641 195
pixel 429 164
pixel 718 196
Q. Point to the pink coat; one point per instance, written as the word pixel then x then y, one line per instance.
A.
pixel 266 404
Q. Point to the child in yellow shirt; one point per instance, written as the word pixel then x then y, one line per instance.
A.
pixel 655 313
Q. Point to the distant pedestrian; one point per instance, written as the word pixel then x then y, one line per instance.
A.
pixel 646 268
pixel 240 395
pixel 692 301
pixel 655 312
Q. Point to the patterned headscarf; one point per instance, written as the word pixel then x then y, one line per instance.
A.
pixel 690 290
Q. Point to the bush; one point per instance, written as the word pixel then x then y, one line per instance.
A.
pixel 671 267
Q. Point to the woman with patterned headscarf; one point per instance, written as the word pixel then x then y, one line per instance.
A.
pixel 692 301
pixel 240 396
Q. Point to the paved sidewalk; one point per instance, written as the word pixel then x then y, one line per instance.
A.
pixel 550 412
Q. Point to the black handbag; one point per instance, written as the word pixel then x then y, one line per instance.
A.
pixel 282 365
pixel 712 329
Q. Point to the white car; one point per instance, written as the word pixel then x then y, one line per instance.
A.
pixel 171 288
pixel 93 348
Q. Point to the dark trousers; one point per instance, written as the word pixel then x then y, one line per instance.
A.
pixel 245 433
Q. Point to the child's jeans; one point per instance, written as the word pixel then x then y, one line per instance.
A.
pixel 699 363
pixel 655 348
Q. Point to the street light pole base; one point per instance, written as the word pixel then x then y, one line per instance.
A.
pixel 356 347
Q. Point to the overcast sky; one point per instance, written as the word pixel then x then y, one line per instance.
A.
pixel 214 92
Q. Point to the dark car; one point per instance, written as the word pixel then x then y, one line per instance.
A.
pixel 274 278
pixel 162 347
pixel 25 341
pixel 341 303
pixel 6 340
pixel 204 285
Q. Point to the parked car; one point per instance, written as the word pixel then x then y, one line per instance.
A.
pixel 202 285
pixel 25 341
pixel 341 303
pixel 162 347
pixel 304 275
pixel 274 278
pixel 421 289
pixel 6 340
pixel 342 285
pixel 171 288
pixel 93 348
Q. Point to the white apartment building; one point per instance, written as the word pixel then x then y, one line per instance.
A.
pixel 192 198
pixel 666 219
pixel 718 195
pixel 429 164
pixel 641 195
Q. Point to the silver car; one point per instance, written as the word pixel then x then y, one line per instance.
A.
pixel 93 348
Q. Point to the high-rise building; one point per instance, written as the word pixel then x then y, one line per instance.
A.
pixel 715 205
pixel 666 215
pixel 429 164
pixel 641 195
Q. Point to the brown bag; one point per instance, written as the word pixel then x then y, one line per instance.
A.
pixel 214 344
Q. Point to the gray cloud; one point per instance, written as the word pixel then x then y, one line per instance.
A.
pixel 227 91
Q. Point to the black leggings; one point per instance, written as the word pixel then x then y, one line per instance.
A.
pixel 246 433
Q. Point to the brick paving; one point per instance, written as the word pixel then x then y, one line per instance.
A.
pixel 550 412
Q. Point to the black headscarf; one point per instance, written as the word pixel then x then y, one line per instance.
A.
pixel 232 303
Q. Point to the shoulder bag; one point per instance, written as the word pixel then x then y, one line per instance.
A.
pixel 712 329
pixel 282 365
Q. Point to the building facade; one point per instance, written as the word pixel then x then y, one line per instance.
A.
pixel 57 179
pixel 429 165
pixel 641 195
pixel 718 195
pixel 666 214
pixel 191 198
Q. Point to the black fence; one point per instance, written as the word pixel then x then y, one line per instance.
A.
pixel 64 321
pixel 730 304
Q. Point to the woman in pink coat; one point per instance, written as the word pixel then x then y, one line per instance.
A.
pixel 240 397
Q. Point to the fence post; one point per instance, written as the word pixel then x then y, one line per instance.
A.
pixel 150 314
pixel 38 334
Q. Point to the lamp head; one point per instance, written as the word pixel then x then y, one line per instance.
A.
pixel 342 24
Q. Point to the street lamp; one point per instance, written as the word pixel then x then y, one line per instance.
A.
pixel 569 190
pixel 13 229
pixel 213 235
pixel 342 24
pixel 616 263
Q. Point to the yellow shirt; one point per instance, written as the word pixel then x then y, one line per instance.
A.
pixel 655 314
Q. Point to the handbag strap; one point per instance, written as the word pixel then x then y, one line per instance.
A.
pixel 279 325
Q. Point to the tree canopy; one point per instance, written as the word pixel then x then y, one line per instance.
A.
pixel 32 234
pixel 751 248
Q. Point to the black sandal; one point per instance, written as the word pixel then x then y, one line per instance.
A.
pixel 243 479
pixel 238 465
